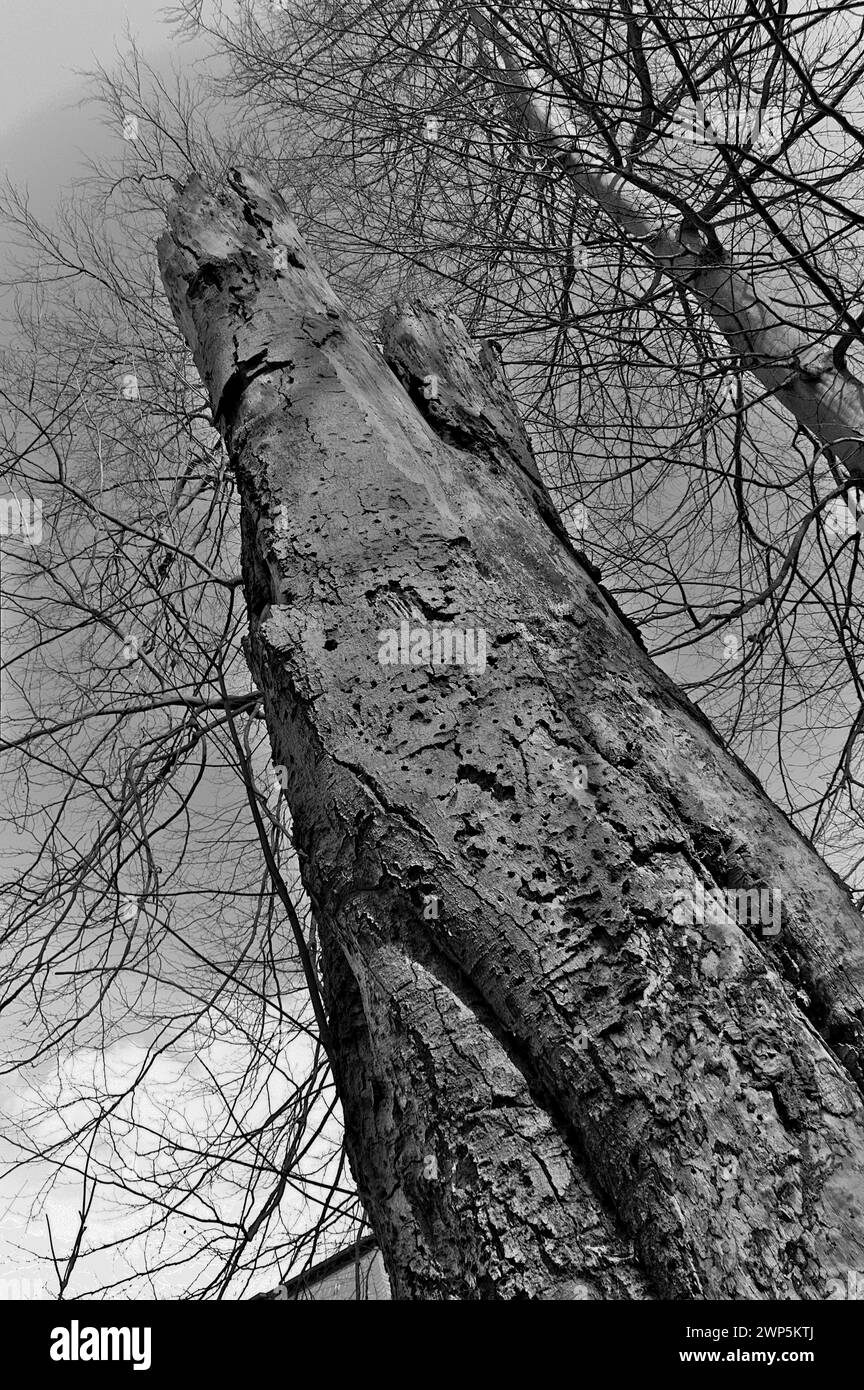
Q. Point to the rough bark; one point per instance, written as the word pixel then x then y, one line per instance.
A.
pixel 551 1089
pixel 826 399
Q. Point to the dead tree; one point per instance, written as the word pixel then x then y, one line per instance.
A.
pixel 553 1087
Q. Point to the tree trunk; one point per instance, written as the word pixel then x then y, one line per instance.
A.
pixel 552 1088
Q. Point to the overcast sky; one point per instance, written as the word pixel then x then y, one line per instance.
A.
pixel 44 134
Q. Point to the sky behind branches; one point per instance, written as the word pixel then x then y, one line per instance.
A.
pixel 45 132
pixel 48 132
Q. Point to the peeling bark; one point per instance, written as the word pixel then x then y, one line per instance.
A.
pixel 551 1088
